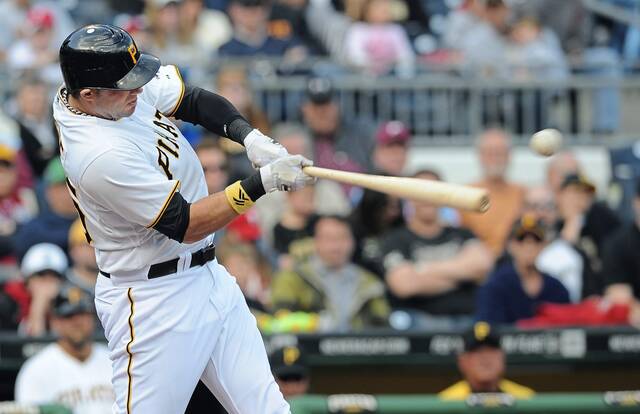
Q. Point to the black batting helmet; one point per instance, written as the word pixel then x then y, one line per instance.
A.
pixel 102 56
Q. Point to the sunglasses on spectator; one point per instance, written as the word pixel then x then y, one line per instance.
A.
pixel 523 237
pixel 548 205
pixel 6 164
pixel 291 377
pixel 215 168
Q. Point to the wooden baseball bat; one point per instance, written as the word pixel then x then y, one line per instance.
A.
pixel 436 192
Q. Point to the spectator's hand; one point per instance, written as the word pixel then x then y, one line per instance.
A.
pixel 261 150
pixel 285 174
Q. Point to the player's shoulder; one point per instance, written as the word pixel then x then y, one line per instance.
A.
pixel 168 77
pixel 44 359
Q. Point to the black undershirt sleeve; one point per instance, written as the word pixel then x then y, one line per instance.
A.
pixel 175 219
pixel 214 112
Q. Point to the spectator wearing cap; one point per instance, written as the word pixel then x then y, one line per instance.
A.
pixel 585 224
pixel 18 205
pixel 38 51
pixel 346 296
pixel 432 270
pixel 493 148
pixel 621 261
pixel 338 143
pixel 73 371
pixel 289 370
pixel 84 269
pixel 37 131
pixel 482 365
pixel 43 268
pixel 515 288
pixel 251 37
pixel 54 220
pixel 391 149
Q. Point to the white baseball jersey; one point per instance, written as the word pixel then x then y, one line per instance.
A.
pixel 123 173
pixel 53 376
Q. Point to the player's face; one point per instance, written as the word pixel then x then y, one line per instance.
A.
pixel 76 330
pixel 114 104
pixel 482 367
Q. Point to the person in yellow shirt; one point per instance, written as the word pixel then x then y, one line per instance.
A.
pixel 482 364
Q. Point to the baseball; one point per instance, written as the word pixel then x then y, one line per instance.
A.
pixel 546 142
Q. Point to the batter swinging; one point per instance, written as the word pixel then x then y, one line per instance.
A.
pixel 171 313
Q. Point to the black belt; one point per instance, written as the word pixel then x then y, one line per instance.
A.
pixel 198 258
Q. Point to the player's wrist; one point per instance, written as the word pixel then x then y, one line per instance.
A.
pixel 238 130
pixel 241 195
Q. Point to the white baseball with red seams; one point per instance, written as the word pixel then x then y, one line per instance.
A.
pixel 164 333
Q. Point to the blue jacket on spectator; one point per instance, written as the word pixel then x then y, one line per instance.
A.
pixel 271 47
pixel 47 227
pixel 502 298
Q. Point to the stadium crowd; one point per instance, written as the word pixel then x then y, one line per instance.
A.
pixel 333 258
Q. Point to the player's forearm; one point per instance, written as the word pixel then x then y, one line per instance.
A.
pixel 207 216
pixel 217 210
pixel 213 112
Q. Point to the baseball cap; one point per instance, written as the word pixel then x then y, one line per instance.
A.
pixel 39 17
pixel 579 180
pixel 71 300
pixel 288 362
pixel 481 334
pixel 319 90
pixel 528 224
pixel 250 3
pixel 54 172
pixel 76 234
pixel 7 153
pixel 44 257
pixel 392 131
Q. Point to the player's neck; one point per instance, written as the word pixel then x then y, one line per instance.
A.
pixel 80 353
pixel 77 104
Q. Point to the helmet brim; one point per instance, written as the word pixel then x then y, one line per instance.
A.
pixel 144 70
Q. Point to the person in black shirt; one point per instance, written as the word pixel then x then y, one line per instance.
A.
pixel 621 261
pixel 432 270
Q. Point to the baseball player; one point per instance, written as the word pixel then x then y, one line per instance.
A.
pixel 171 313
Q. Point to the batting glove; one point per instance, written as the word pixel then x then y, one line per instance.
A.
pixel 261 150
pixel 285 174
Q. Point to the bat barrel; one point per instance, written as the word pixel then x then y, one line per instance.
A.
pixel 437 192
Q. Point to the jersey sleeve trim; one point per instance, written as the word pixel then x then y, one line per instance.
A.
pixel 179 101
pixel 165 205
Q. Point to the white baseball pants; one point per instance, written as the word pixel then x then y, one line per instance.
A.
pixel 167 333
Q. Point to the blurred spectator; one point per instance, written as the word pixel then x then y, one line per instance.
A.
pixel 329 198
pixel 43 268
pixel 293 234
pixel 244 262
pixel 38 50
pixel 621 261
pixel 37 132
pixel 482 365
pixel 586 224
pixel 515 288
pixel 214 164
pixel 73 371
pixel 534 52
pixel 346 296
pixel 558 258
pixel 289 370
pixel 232 82
pixel 52 223
pixel 287 19
pixel 338 143
pixel 494 152
pixel 391 149
pixel 376 44
pixel 17 206
pixel 560 165
pixel 432 270
pixel 251 36
pixel 375 216
pixel 84 269
pixel 462 21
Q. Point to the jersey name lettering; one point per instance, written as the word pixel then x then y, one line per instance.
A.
pixel 166 144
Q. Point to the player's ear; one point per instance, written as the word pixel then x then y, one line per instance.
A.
pixel 88 94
